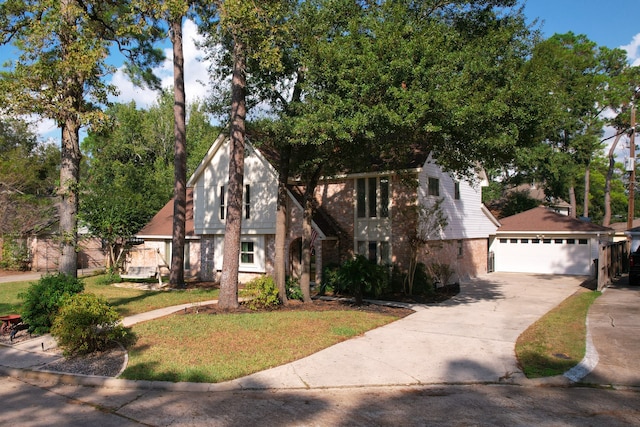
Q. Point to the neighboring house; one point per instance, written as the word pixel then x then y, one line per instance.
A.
pixel 43 251
pixel 370 213
pixel 623 233
pixel 543 241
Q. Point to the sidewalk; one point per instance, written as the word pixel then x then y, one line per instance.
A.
pixel 467 340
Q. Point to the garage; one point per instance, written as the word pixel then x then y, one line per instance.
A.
pixel 545 242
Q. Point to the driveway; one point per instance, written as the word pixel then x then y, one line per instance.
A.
pixel 468 339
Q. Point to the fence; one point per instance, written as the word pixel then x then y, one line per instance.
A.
pixel 612 262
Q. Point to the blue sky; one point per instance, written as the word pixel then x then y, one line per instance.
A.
pixel 611 23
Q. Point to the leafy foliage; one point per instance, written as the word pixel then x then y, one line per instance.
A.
pixel 42 300
pixel 263 293
pixel 359 275
pixel 293 289
pixel 86 323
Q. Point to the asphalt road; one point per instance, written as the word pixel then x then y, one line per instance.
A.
pixel 46 404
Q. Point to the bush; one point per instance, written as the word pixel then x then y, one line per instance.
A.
pixel 360 275
pixel 86 323
pixel 43 298
pixel 263 293
pixel 293 290
pixel 109 278
pixel 331 280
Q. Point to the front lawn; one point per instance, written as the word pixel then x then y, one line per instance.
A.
pixel 557 341
pixel 219 347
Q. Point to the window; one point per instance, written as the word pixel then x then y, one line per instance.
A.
pixel 460 248
pixel 361 198
pixel 582 241
pixel 456 191
pixel 546 240
pixel 524 240
pixel 513 240
pixel 433 188
pixel 571 241
pixel 558 241
pixel 372 197
pixel 384 197
pixel 187 255
pixel 503 240
pixel 223 209
pixel 247 252
pixel 535 240
pixel 247 201
pixel 378 252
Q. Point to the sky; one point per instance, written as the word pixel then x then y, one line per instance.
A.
pixel 611 23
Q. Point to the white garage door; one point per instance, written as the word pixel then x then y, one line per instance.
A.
pixel 544 256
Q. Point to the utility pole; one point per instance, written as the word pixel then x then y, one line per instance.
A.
pixel 632 176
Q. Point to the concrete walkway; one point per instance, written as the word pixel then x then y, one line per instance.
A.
pixel 468 339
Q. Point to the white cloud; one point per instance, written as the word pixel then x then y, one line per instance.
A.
pixel 633 50
pixel 195 73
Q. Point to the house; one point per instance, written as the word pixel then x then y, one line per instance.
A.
pixel 40 251
pixel 543 241
pixel 369 213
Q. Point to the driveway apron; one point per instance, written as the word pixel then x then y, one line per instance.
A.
pixel 469 338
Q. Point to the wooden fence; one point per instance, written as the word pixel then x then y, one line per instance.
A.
pixel 613 260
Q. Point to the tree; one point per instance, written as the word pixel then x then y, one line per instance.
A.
pixel 129 167
pixel 581 81
pixel 63 47
pixel 386 78
pixel 120 193
pixel 28 172
pixel 246 29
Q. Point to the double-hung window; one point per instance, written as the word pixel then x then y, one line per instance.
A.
pixel 247 252
pixel 246 204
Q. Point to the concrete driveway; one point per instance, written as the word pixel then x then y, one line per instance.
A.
pixel 469 339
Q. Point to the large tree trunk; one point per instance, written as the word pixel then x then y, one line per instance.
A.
pixel 606 220
pixel 68 209
pixel 572 201
pixel 230 265
pixel 587 189
pixel 176 277
pixel 307 218
pixel 281 224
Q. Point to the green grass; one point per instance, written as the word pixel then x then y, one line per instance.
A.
pixel 557 341
pixel 215 348
pixel 126 301
pixel 9 301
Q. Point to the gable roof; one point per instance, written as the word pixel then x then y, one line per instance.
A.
pixel 161 225
pixel 541 219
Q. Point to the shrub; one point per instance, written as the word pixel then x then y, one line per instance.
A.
pixel 86 323
pixel 441 273
pixel 15 254
pixel 293 290
pixel 263 293
pixel 109 278
pixel 331 280
pixel 360 275
pixel 43 298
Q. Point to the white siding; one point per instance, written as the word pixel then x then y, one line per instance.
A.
pixel 258 174
pixel 465 216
